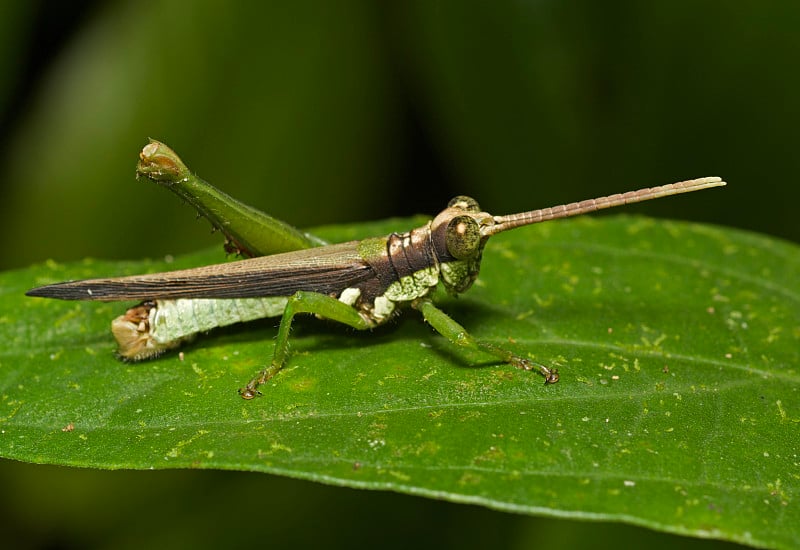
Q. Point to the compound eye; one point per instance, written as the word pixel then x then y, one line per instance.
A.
pixel 463 238
pixel 468 204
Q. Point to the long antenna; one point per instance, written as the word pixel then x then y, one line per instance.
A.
pixel 502 223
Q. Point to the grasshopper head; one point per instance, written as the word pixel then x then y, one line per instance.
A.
pixel 458 238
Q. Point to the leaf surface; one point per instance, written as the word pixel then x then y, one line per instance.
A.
pixel 678 406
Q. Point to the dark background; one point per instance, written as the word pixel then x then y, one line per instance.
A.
pixel 334 112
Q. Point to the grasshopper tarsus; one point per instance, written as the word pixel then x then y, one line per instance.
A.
pixel 249 392
pixel 551 376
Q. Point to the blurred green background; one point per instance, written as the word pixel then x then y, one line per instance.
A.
pixel 334 112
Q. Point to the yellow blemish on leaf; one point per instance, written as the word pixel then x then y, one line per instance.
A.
pixel 177 449
pixel 470 478
pixel 399 475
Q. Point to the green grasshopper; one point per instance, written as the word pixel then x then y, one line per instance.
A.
pixel 359 283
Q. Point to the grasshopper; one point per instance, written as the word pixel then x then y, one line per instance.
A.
pixel 362 283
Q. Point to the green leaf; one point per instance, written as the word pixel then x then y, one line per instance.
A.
pixel 678 406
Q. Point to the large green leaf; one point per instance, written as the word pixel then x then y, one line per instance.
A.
pixel 678 406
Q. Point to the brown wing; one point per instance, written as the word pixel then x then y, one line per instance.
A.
pixel 326 269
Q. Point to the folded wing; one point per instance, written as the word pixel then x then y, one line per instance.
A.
pixel 327 269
